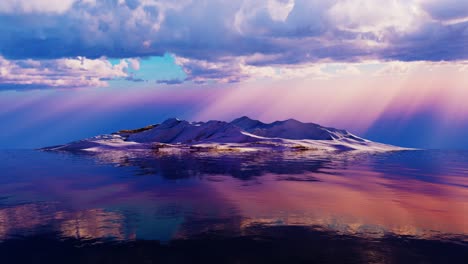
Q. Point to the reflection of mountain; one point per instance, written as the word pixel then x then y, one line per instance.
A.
pixel 238 165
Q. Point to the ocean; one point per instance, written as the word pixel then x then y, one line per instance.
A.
pixel 284 207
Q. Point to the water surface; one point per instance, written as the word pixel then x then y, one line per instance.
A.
pixel 398 207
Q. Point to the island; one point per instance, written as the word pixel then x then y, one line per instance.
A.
pixel 240 135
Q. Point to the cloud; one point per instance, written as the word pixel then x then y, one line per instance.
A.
pixel 396 68
pixel 92 30
pixel 237 69
pixel 170 81
pixel 134 63
pixel 59 73
pixel 28 6
pixel 446 10
pixel 218 40
pixel 224 70
pixel 432 42
pixel 373 16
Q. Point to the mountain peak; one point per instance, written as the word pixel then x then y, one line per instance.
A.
pixel 242 118
pixel 246 123
pixel 292 121
pixel 170 122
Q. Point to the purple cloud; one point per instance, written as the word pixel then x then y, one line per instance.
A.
pixel 216 39
pixel 446 10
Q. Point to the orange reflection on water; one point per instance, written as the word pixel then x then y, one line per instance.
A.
pixel 357 202
pixel 93 224
pixel 19 217
pixel 88 224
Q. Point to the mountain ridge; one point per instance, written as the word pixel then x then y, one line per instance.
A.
pixel 241 134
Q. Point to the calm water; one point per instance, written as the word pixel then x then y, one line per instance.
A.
pixel 402 207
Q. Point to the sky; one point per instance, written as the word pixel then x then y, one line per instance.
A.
pixel 393 71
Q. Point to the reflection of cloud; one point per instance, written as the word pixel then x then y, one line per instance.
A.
pixel 92 224
pixel 87 224
pixel 24 217
pixel 330 192
pixel 354 195
pixel 357 203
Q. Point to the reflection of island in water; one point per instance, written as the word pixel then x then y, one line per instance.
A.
pixel 180 165
pixel 385 198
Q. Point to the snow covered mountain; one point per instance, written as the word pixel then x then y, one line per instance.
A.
pixel 240 130
pixel 181 131
pixel 242 134
pixel 291 129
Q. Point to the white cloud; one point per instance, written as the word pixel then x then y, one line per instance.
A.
pixel 400 68
pixel 376 16
pixel 235 69
pixel 280 9
pixel 75 72
pixel 35 6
